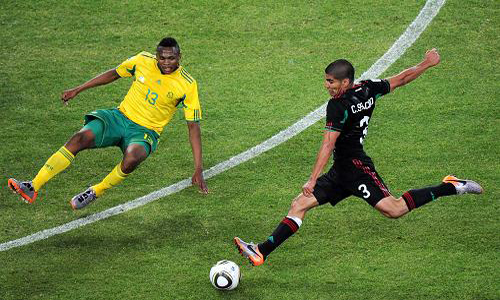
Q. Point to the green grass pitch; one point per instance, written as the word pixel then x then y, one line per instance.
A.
pixel 260 66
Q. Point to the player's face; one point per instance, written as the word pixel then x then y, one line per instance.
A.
pixel 332 85
pixel 168 59
pixel 335 86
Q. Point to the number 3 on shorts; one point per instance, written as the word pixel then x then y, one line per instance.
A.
pixel 364 190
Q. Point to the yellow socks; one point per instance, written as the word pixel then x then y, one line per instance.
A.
pixel 54 165
pixel 114 178
pixel 62 159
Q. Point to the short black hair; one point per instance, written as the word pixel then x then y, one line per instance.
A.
pixel 170 42
pixel 341 69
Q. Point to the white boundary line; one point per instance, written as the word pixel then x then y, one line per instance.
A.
pixel 411 34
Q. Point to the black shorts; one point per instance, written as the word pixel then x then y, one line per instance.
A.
pixel 347 177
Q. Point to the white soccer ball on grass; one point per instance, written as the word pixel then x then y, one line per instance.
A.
pixel 225 275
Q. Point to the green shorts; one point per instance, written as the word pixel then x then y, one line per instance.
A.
pixel 117 130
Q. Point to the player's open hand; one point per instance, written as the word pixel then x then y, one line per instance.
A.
pixel 199 181
pixel 68 95
pixel 308 188
pixel 432 57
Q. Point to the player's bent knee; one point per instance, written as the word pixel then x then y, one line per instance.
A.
pixel 295 206
pixel 85 138
pixel 302 204
pixel 391 207
pixel 130 164
pixel 390 213
pixel 81 140
pixel 133 157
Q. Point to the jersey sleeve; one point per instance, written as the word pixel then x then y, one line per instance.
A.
pixel 336 116
pixel 378 87
pixel 191 103
pixel 128 67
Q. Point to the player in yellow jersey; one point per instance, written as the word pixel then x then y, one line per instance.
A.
pixel 160 86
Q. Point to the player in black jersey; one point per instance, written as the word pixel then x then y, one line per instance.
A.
pixel 353 173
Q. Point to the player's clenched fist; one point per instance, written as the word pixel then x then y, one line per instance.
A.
pixel 432 56
pixel 68 95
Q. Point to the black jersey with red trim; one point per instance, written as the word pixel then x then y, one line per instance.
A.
pixel 350 113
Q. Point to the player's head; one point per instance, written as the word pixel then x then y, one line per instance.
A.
pixel 339 76
pixel 168 54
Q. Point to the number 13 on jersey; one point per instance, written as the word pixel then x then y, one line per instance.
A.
pixel 151 97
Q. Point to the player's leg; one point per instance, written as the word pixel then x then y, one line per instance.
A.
pixel 368 185
pixel 62 159
pixel 290 224
pixel 327 190
pixel 136 142
pixel 391 207
pixel 58 162
pixel 286 228
pixel 134 155
pixel 412 199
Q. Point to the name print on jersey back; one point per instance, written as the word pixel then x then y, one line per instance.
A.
pixel 350 114
pixel 362 106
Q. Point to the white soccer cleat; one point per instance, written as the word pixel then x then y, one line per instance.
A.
pixel 83 199
pixel 24 189
pixel 464 186
pixel 250 251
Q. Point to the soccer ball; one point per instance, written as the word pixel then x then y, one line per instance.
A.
pixel 225 275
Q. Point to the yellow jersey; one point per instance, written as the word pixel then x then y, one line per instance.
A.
pixel 154 97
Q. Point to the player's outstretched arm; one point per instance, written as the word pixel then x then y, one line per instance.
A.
pixel 430 60
pixel 325 151
pixel 101 79
pixel 195 140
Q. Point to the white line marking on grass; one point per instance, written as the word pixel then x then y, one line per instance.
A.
pixel 428 12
